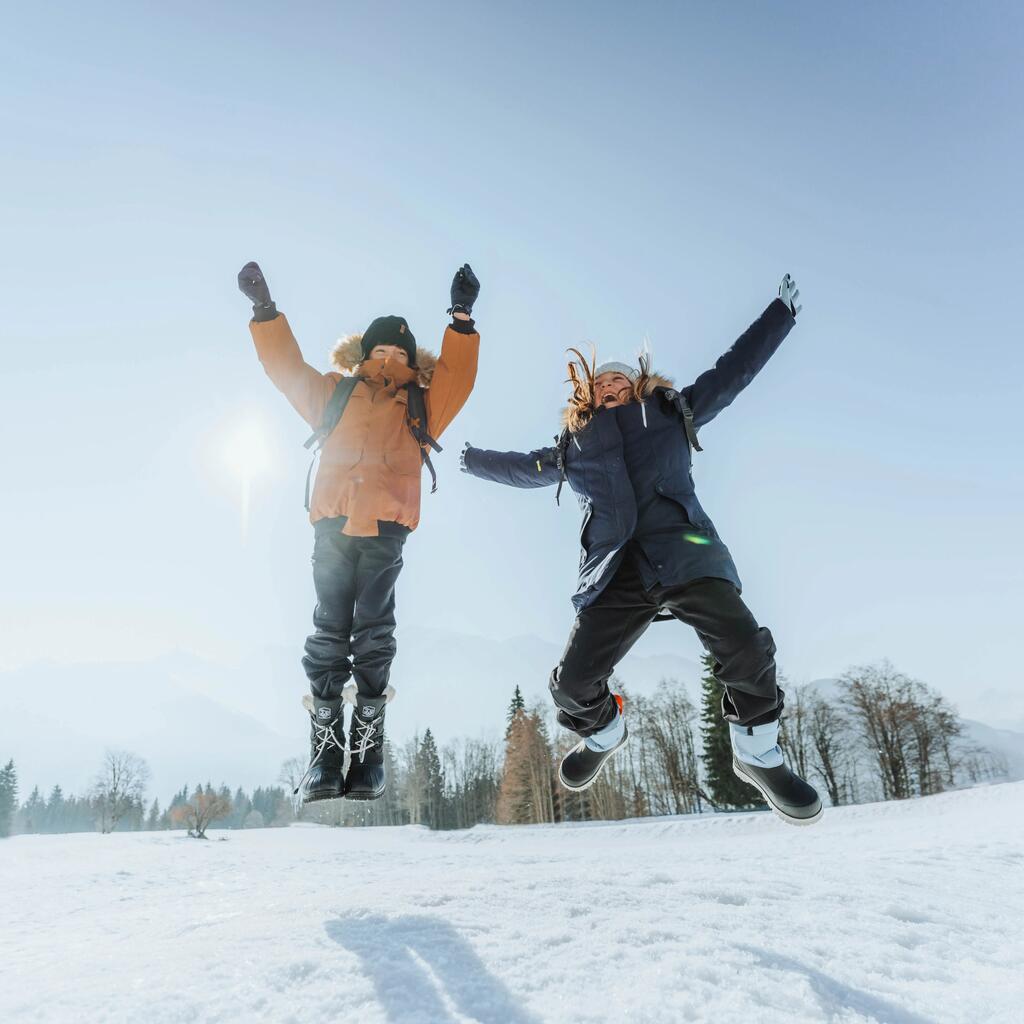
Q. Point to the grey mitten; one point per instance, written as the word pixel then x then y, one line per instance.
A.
pixel 789 293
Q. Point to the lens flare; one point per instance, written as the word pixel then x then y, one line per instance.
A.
pixel 696 538
pixel 247 456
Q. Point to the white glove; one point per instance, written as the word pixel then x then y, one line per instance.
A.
pixel 789 293
pixel 462 458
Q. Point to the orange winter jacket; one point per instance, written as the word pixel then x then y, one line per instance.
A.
pixel 370 465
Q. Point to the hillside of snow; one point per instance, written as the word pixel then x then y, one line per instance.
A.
pixel 899 913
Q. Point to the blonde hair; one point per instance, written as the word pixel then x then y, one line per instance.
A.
pixel 581 377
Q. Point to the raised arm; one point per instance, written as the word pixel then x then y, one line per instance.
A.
pixel 455 373
pixel 716 388
pixel 517 469
pixel 306 388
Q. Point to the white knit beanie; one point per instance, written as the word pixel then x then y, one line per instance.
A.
pixel 629 371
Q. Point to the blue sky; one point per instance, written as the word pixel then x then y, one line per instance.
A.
pixel 613 172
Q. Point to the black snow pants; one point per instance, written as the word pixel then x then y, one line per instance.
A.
pixel 605 631
pixel 354 616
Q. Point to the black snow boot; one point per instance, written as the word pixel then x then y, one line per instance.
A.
pixel 324 778
pixel 793 800
pixel 581 766
pixel 367 778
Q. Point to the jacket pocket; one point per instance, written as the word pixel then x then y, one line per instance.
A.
pixel 689 504
pixel 404 461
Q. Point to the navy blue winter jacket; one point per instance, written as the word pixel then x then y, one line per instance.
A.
pixel 630 469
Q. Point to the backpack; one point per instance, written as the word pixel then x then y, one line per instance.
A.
pixel 678 402
pixel 416 418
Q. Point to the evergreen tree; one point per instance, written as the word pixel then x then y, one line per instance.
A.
pixel 34 812
pixel 273 805
pixel 8 798
pixel 54 817
pixel 724 788
pixel 517 704
pixel 153 821
pixel 432 781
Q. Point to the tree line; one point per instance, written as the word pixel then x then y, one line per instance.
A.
pixel 115 803
pixel 880 735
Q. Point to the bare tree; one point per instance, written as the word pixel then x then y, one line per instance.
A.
pixel 911 733
pixel 879 699
pixel 671 725
pixel 118 788
pixel 979 764
pixel 794 730
pixel 291 773
pixel 205 807
pixel 415 782
pixel 831 744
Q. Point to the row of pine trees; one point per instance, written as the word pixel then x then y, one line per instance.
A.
pixel 884 736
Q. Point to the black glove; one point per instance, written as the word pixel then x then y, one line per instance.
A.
pixel 253 285
pixel 465 289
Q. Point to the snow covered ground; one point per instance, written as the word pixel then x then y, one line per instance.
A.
pixel 895 913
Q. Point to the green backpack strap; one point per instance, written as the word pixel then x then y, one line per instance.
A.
pixel 332 414
pixel 416 416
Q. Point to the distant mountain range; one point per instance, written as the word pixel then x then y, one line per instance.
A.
pixel 194 720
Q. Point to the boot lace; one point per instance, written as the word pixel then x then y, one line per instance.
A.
pixel 325 738
pixel 365 736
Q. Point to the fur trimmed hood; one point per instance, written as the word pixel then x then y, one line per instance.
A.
pixel 654 380
pixel 347 356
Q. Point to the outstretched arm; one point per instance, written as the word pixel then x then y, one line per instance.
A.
pixel 455 372
pixel 517 469
pixel 716 388
pixel 306 388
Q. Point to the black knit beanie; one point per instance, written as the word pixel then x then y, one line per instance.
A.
pixel 390 330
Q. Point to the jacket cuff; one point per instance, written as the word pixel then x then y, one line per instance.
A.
pixel 463 326
pixel 786 306
pixel 264 312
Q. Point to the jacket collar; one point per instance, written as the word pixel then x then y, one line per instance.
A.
pixel 386 373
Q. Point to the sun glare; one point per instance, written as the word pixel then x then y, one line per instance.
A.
pixel 246 451
pixel 247 456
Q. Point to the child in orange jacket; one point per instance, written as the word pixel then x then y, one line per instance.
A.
pixel 365 502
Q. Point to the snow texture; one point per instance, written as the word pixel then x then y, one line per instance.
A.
pixel 899 913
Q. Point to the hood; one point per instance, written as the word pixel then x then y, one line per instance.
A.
pixel 347 356
pixel 654 380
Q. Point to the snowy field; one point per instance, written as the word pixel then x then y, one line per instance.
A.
pixel 895 913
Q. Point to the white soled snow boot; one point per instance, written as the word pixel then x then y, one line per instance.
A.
pixel 757 760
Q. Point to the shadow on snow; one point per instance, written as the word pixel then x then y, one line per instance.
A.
pixel 834 996
pixel 412 960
